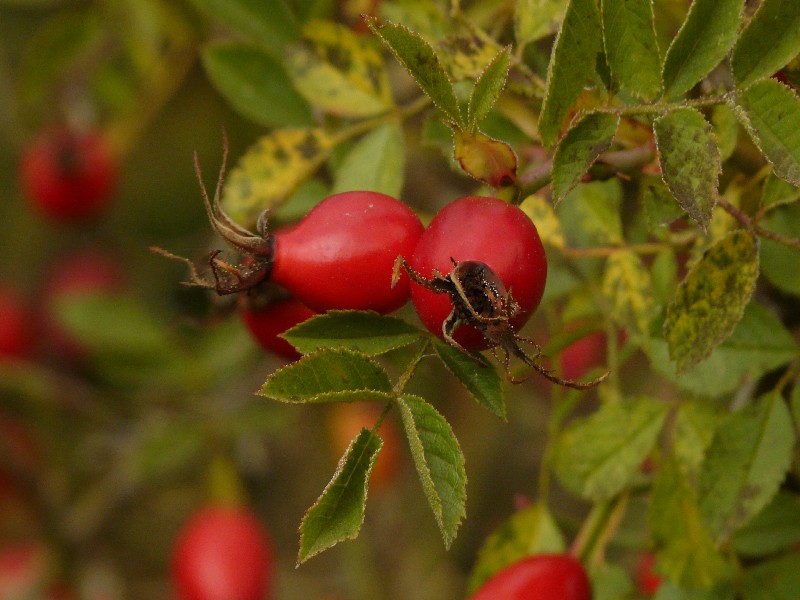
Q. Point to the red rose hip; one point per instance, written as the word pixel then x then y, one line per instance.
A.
pixel 488 231
pixel 540 577
pixel 222 553
pixel 68 176
pixel 267 323
pixel 340 256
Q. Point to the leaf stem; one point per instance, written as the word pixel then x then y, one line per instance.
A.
pixel 754 227
pixel 598 529
pixel 661 108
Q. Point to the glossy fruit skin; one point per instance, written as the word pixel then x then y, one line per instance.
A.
pixel 340 256
pixel 269 322
pixel 68 176
pixel 345 421
pixel 486 230
pixel 222 553
pixel 16 325
pixel 540 577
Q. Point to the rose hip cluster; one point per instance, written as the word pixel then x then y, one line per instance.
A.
pixel 475 275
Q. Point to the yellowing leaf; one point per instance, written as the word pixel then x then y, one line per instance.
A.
pixel 711 300
pixel 272 169
pixel 544 217
pixel 488 160
pixel 339 72
pixel 628 288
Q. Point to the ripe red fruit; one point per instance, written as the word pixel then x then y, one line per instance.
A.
pixel 222 552
pixel 540 577
pixel 485 230
pixel 16 325
pixel 68 176
pixel 268 323
pixel 648 580
pixel 340 256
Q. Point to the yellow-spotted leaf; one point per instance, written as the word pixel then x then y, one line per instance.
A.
pixel 629 290
pixel 339 72
pixel 547 223
pixel 710 301
pixel 466 56
pixel 272 169
pixel 488 160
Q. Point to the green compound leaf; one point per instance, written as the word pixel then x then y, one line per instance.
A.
pixel 255 84
pixel 687 554
pixel 771 114
pixel 532 530
pixel 271 24
pixel 629 290
pixel 758 344
pixel 775 528
pixel 439 462
pixel 329 375
pixel 420 60
pixel 376 163
pixel 339 72
pixel 578 150
pixel 482 382
pixel 631 48
pixel 690 161
pixel 488 87
pixel 338 513
pixel 659 203
pixel 535 19
pixel 704 39
pixel 711 300
pixel 572 65
pixel 598 456
pixel 365 332
pixel 745 464
pixel 272 169
pixel 768 43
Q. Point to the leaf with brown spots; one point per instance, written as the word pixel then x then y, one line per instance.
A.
pixel 690 161
pixel 710 301
pixel 272 169
pixel 339 71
